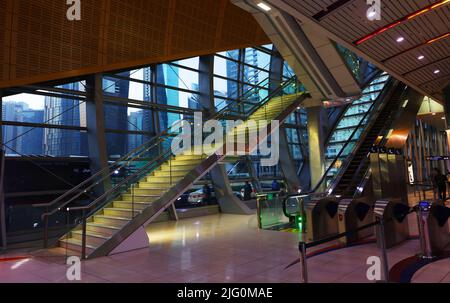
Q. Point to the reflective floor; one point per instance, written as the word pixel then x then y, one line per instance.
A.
pixel 217 248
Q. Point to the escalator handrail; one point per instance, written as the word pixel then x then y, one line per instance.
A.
pixel 376 74
pixel 158 140
pixel 324 176
pixel 361 165
pixel 389 91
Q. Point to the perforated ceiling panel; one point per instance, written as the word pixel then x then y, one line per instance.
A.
pixel 43 45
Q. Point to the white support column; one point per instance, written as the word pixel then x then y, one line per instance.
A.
pixel 316 145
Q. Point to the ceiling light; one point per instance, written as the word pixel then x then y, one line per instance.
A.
pixel 264 6
pixel 433 114
pixel 421 57
pixel 443 118
pixel 400 39
pixel 437 71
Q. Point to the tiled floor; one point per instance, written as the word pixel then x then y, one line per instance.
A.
pixel 218 248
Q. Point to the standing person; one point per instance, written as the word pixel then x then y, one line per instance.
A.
pixel 247 191
pixel 441 183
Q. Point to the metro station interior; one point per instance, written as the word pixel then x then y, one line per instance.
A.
pixel 118 145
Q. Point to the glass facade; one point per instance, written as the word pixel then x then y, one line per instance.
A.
pixel 140 103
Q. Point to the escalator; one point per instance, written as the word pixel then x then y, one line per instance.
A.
pixel 359 165
pixel 350 166
pixel 150 178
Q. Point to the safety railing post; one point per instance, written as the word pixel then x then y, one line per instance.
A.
pixel 384 259
pixel 303 262
pixel 83 236
pixel 132 201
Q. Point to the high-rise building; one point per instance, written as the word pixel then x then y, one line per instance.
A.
pixel 136 121
pixel 168 75
pixel 32 140
pixel 20 139
pixel 60 111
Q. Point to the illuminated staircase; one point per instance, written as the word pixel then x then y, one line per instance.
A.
pixel 158 184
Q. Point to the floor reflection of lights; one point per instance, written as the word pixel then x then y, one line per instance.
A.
pixel 193 230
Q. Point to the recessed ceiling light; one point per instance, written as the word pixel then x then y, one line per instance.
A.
pixel 264 6
pixel 437 71
pixel 443 118
pixel 400 39
pixel 421 57
pixel 433 114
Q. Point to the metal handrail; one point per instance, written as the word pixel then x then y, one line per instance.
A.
pixel 142 148
pixel 168 152
pixel 165 155
pixel 324 176
pixel 361 165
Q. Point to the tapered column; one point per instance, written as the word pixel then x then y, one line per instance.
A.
pixel 95 120
pixel 316 144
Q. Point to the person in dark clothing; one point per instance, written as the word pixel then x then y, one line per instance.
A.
pixel 247 191
pixel 206 194
pixel 275 185
pixel 441 183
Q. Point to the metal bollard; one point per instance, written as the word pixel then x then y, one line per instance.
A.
pixel 422 219
pixel 304 269
pixel 384 258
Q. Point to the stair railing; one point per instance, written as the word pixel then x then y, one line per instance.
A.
pixel 98 203
pixel 106 173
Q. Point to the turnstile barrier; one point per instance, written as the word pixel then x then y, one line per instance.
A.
pixel 321 218
pixel 393 212
pixel 353 214
pixel 432 218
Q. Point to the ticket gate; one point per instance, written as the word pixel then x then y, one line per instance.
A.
pixel 433 228
pixel 321 218
pixel 353 214
pixel 393 212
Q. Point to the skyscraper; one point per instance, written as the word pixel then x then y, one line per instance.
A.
pixel 60 111
pixel 20 139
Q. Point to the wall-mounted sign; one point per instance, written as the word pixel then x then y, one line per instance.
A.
pixel 437 158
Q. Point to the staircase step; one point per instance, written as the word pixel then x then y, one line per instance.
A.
pixel 161 173
pixel 75 245
pixel 120 212
pixel 102 229
pixel 92 239
pixel 139 198
pixel 111 220
pixel 154 185
pixel 148 191
pixel 163 180
pixel 130 205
